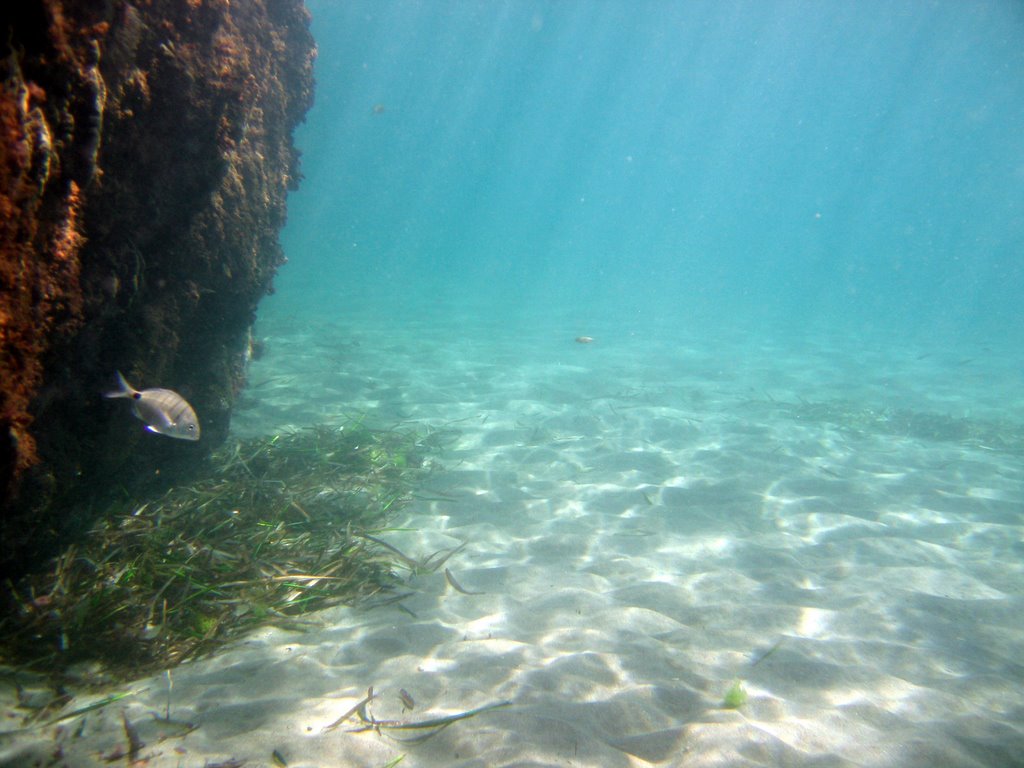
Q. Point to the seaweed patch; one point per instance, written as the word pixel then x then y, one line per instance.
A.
pixel 279 527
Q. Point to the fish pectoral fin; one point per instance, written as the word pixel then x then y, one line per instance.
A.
pixel 156 420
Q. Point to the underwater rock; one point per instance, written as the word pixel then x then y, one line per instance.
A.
pixel 146 159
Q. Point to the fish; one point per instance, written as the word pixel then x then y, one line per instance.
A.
pixel 164 410
pixel 584 339
pixel 407 700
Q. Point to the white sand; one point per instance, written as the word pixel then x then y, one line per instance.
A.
pixel 647 519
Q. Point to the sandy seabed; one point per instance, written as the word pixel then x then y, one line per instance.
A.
pixel 646 522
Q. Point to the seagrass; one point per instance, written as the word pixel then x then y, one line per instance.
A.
pixel 279 527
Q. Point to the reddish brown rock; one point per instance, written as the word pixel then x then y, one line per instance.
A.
pixel 146 157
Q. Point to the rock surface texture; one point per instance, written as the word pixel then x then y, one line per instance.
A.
pixel 145 160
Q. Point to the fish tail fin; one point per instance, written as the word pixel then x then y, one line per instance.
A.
pixel 124 389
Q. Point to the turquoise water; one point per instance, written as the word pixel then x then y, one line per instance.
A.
pixel 767 169
pixel 792 457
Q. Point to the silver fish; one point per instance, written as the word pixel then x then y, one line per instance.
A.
pixel 164 411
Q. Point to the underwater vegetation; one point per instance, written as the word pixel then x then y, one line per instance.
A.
pixel 279 526
pixel 997 435
pixel 735 697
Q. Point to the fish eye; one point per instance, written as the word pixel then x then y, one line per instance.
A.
pixel 191 427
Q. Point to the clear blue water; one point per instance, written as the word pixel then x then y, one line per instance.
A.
pixel 740 167
pixel 796 231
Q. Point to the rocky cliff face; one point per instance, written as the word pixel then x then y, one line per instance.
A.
pixel 146 156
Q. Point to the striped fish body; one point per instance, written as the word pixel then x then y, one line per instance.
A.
pixel 164 411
